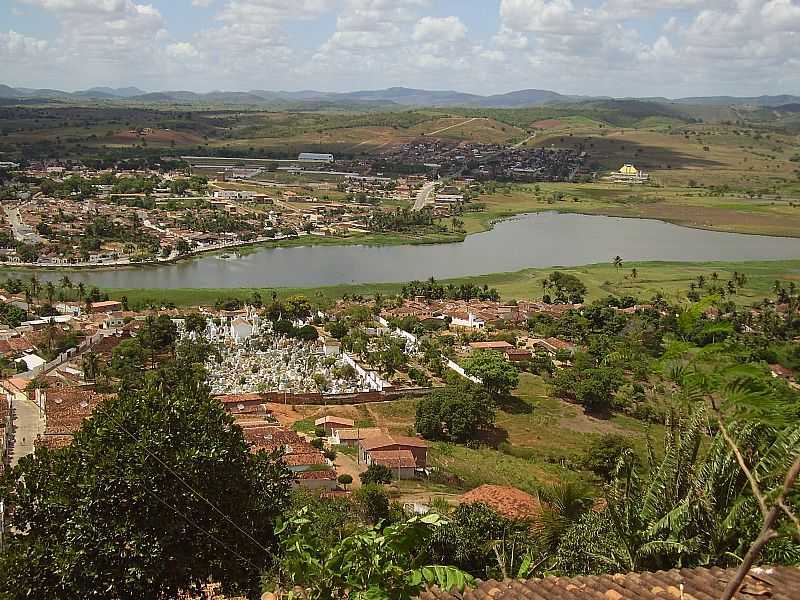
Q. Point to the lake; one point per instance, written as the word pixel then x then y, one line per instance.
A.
pixel 532 240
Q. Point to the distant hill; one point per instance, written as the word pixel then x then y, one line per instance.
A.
pixel 8 92
pixel 389 98
pixel 734 100
pixel 123 92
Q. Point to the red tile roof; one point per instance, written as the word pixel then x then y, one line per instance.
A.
pixel 325 474
pixel 774 583
pixel 496 345
pixel 506 500
pixel 393 458
pixel 66 408
pixel 381 441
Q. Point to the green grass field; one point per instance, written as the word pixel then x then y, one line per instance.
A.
pixel 669 278
pixel 732 211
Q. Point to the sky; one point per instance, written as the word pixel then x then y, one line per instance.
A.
pixel 672 48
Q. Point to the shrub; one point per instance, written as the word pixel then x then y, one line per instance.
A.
pixel 376 474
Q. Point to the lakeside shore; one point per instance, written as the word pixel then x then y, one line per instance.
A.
pixel 668 278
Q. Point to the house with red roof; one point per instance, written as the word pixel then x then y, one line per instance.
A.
pixel 405 454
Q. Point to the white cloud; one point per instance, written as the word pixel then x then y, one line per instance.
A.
pixel 182 50
pixel 17 46
pixel 103 6
pixel 614 47
pixel 444 29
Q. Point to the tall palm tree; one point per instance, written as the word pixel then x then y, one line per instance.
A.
pixel 35 288
pixel 65 283
pixel 91 365
pixel 50 291
pixel 81 290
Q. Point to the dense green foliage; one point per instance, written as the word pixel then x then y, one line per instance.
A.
pixel 498 375
pixel 157 494
pixel 457 413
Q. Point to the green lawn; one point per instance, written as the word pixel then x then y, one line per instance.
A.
pixel 669 278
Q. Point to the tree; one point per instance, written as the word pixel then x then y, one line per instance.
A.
pixel 617 261
pixel 297 307
pixel 458 413
pixel 603 455
pixel 471 537
pixel 158 488
pixel 566 286
pixel 91 365
pixel 373 501
pixel 372 563
pixel 195 322
pixel 498 375
pixel 376 473
pixel 307 333
pixel 345 479
pixel 128 359
pixel 284 327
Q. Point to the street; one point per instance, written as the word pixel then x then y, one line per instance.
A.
pixel 27 427
pixel 22 233
pixel 423 196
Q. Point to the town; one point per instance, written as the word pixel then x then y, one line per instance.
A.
pixel 399 300
pixel 58 213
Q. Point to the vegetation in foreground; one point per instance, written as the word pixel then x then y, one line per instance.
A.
pixel 158 493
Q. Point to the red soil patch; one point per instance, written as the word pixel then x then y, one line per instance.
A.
pixel 547 124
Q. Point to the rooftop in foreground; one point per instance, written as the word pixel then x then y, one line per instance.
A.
pixel 775 583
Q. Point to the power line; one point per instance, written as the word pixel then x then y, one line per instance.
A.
pixel 208 533
pixel 189 487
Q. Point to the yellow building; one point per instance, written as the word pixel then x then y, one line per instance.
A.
pixel 628 174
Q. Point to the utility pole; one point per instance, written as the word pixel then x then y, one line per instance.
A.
pixel 2 526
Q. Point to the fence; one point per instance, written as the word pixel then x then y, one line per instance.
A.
pixel 314 398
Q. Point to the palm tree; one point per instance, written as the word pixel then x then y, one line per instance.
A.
pixel 617 262
pixel 91 366
pixel 66 283
pixel 34 287
pixel 81 290
pixel 565 503
pixel 50 291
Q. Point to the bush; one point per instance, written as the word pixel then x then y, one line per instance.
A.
pixel 320 432
pixel 373 502
pixel 318 443
pixel 345 479
pixel 376 474
pixel 603 455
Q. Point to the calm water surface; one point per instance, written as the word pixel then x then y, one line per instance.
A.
pixel 533 240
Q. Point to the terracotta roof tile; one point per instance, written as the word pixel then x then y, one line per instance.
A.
pixel 394 458
pixel 775 583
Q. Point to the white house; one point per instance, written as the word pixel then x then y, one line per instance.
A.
pixel 467 321
pixel 241 329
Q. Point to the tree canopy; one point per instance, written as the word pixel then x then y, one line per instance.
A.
pixel 157 494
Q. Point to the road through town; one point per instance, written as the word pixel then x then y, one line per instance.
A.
pixel 28 425
pixel 423 196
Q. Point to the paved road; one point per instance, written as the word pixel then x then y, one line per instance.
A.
pixel 27 426
pixel 22 232
pixel 423 197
